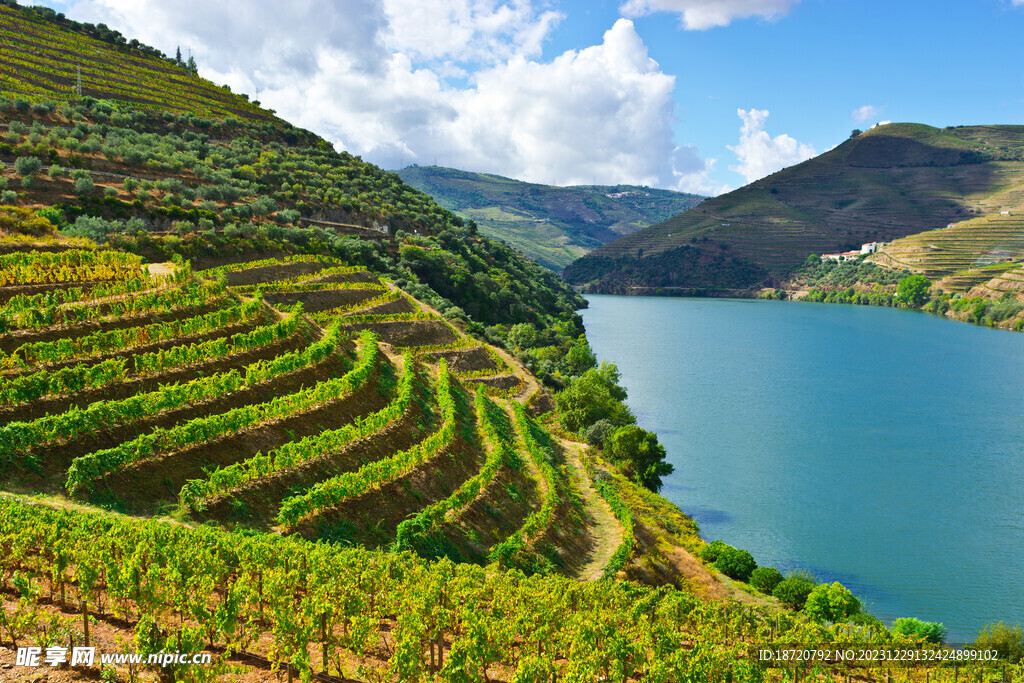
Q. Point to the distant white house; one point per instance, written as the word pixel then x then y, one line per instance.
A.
pixel 844 256
pixel 870 247
pixel 1005 213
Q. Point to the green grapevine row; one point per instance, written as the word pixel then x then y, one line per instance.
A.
pixel 223 480
pixel 17 437
pixel 86 468
pixel 501 453
pixel 54 311
pixel 622 554
pixel 30 387
pixel 331 492
pixel 177 356
pixel 35 353
pixel 318 606
pixel 510 551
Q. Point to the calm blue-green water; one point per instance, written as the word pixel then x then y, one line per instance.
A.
pixel 877 447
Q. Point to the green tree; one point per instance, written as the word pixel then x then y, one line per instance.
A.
pixel 523 336
pixel 832 602
pixel 765 579
pixel 594 395
pixel 638 452
pixel 1007 640
pixel 931 631
pixel 84 186
pixel 735 563
pixel 793 591
pixel 913 290
pixel 27 166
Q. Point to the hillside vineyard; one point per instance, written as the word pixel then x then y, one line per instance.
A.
pixel 263 402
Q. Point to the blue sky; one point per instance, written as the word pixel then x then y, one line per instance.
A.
pixel 696 95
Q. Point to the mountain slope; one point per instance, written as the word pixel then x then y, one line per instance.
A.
pixel 889 182
pixel 552 225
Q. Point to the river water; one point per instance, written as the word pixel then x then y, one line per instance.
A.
pixel 876 447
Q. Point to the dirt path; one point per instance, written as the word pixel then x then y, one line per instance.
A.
pixel 605 530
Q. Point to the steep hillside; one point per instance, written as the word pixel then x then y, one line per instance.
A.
pixel 47 56
pixel 552 225
pixel 263 404
pixel 889 182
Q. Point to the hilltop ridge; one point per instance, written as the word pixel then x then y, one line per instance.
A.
pixel 885 183
pixel 552 225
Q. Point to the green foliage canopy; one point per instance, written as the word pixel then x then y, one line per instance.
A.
pixel 832 602
pixel 638 452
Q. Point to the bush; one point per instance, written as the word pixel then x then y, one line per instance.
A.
pixel 931 631
pixel 831 603
pixel 711 551
pixel 57 172
pixel 27 166
pixel 1007 640
pixel 639 453
pixel 8 197
pixel 596 433
pixel 110 192
pixel 794 590
pixel 84 186
pixel 735 563
pixel 765 579
pixel 913 290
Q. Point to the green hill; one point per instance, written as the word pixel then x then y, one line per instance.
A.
pixel 889 182
pixel 265 403
pixel 551 225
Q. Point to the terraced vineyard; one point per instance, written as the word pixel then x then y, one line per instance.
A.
pixel 984 252
pixel 245 411
pixel 370 420
pixel 887 183
pixel 36 64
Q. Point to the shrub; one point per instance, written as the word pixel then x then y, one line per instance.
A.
pixel 711 551
pixel 1007 640
pixel 639 453
pixel 794 590
pixel 596 433
pixel 8 197
pixel 831 603
pixel 110 192
pixel 913 290
pixel 735 563
pixel 27 166
pixel 931 631
pixel 84 186
pixel 57 172
pixel 765 579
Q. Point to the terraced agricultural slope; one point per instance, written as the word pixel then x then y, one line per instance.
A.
pixel 374 422
pixel 42 59
pixel 964 255
pixel 552 225
pixel 889 182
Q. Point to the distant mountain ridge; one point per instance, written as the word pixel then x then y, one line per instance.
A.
pixel 552 225
pixel 889 182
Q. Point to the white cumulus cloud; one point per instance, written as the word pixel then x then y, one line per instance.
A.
pixel 700 15
pixel 456 82
pixel 865 113
pixel 760 154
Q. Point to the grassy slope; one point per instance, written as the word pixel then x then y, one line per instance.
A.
pixel 890 182
pixel 552 225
